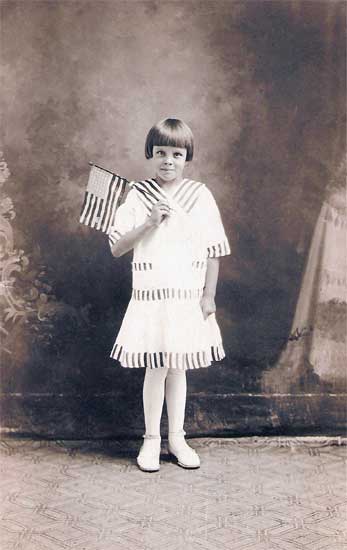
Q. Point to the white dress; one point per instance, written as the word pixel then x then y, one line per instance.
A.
pixel 164 325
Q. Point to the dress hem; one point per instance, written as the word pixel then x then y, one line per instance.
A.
pixel 181 361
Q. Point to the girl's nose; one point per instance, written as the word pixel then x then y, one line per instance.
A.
pixel 168 160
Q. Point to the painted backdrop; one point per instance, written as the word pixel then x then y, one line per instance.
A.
pixel 262 85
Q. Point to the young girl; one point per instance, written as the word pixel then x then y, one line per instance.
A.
pixel 175 229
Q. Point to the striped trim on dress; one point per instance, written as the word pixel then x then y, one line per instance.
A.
pixel 166 294
pixel 199 264
pixel 114 237
pixel 188 193
pixel 150 192
pixel 218 249
pixel 154 360
pixel 147 266
pixel 142 266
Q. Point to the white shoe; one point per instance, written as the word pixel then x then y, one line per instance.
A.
pixel 148 457
pixel 186 456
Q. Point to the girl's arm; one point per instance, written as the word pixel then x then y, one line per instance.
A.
pixel 130 239
pixel 207 302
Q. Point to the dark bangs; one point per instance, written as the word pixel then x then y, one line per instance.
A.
pixel 170 132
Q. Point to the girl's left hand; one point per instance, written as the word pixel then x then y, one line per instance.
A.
pixel 208 306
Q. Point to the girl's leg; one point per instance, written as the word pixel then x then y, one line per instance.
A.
pixel 153 399
pixel 176 392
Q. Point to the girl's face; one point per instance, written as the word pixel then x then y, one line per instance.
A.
pixel 168 163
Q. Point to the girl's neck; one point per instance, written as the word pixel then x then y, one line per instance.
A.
pixel 169 186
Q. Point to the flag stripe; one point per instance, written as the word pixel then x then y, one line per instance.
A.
pixel 108 205
pixel 103 195
pixel 90 208
pixel 94 217
pixel 115 203
pixel 88 198
pixel 103 213
pixel 98 217
pixel 83 206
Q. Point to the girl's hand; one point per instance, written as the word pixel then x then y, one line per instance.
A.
pixel 160 211
pixel 208 306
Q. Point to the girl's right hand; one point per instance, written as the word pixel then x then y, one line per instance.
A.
pixel 160 211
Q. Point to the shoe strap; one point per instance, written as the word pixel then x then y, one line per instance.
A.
pixel 148 436
pixel 180 432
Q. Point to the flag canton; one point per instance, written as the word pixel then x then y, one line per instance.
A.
pixel 99 181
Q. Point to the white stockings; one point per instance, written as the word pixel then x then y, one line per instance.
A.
pixel 171 384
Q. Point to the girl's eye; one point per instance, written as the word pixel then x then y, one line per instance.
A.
pixel 178 154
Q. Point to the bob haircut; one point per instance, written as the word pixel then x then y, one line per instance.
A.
pixel 170 132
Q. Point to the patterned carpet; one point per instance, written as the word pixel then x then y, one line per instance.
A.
pixel 249 494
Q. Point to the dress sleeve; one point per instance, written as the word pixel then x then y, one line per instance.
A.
pixel 217 243
pixel 125 218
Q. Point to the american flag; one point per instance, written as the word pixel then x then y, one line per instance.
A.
pixel 103 195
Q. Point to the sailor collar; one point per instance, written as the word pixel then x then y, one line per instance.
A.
pixel 150 192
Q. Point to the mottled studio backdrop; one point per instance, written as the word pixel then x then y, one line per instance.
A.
pixel 262 85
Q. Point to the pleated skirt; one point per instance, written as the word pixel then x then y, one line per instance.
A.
pixel 167 333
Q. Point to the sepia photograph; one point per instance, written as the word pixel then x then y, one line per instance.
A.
pixel 173 275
